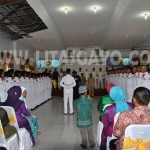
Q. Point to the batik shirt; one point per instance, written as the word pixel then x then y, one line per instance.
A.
pixel 139 115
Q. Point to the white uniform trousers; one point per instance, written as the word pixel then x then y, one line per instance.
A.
pixel 68 97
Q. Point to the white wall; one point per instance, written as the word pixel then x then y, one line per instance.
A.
pixel 76 64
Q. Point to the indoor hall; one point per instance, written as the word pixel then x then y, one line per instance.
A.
pixel 57 52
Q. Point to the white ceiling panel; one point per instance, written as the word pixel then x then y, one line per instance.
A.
pixel 118 23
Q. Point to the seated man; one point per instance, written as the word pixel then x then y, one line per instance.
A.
pixel 139 115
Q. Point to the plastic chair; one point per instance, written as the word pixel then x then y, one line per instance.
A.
pixel 138 131
pixel 25 141
pixel 11 143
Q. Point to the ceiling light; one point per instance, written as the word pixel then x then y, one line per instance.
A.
pixel 66 10
pixel 146 16
pixel 95 8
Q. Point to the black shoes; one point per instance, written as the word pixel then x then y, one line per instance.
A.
pixel 64 113
pixel 83 146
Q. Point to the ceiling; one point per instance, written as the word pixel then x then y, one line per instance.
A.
pixel 118 24
pixel 18 19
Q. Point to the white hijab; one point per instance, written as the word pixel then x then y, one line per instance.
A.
pixel 22 98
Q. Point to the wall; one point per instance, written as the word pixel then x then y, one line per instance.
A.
pixel 75 62
pixel 17 49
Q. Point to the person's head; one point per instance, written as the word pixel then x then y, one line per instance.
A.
pixel 91 75
pixel 55 69
pixel 17 73
pixel 109 86
pixel 138 68
pixel 141 96
pixel 128 70
pixel 100 69
pixel 24 92
pixel 134 69
pixel 14 93
pixel 144 69
pixel 68 71
pixel 119 98
pixel 83 90
pixel 82 74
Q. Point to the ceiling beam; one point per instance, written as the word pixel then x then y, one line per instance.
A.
pixel 116 17
pixel 10 14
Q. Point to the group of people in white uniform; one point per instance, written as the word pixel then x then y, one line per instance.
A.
pixel 98 75
pixel 38 86
pixel 130 78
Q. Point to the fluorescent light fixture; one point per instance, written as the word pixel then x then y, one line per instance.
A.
pixel 95 8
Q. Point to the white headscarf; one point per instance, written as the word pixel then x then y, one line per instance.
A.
pixel 22 98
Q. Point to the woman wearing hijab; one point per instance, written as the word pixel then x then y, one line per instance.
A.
pixel 105 100
pixel 118 97
pixel 14 93
pixel 32 119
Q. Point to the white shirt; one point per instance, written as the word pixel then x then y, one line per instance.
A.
pixel 68 83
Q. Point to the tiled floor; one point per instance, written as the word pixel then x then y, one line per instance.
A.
pixel 59 132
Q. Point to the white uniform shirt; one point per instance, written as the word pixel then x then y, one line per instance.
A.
pixel 68 83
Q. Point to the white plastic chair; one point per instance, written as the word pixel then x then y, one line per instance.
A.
pixel 25 141
pixel 11 143
pixel 138 131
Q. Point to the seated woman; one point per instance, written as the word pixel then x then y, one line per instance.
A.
pixel 104 100
pixel 139 115
pixel 8 130
pixel 14 93
pixel 32 119
pixel 118 97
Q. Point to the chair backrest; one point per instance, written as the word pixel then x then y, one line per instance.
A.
pixel 138 131
pixel 99 132
pixel 2 135
pixel 115 120
pixel 11 116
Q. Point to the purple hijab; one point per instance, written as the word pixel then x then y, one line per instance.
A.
pixel 14 94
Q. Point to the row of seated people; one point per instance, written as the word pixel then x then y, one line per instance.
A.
pixel 39 85
pixel 137 112
pixel 18 116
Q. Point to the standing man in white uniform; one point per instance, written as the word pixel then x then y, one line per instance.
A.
pixel 100 79
pixel 68 83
